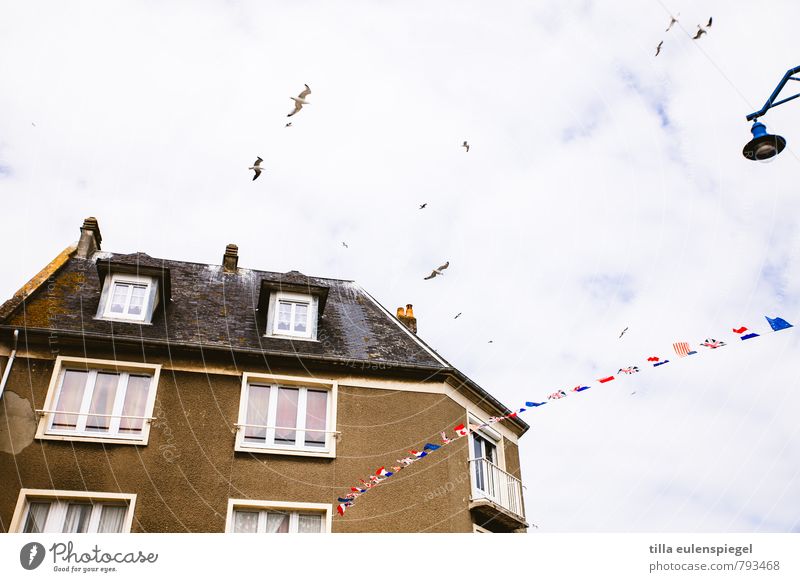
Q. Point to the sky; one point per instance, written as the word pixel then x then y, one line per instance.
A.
pixel 604 188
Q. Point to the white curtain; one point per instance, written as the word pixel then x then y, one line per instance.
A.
pixel 69 398
pixel 77 520
pixel 135 402
pixel 310 523
pixel 103 395
pixel 37 517
pixel 316 417
pixel 245 521
pixel 257 409
pixel 277 522
pixel 112 517
pixel 286 415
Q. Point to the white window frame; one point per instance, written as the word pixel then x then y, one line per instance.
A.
pixel 60 500
pixel 273 315
pixel 44 430
pixel 278 381
pixel 494 437
pixel 478 529
pixel 295 508
pixel 150 298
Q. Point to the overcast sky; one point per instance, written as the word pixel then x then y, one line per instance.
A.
pixel 604 188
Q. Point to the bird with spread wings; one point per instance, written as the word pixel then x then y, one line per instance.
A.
pixel 438 271
pixel 300 100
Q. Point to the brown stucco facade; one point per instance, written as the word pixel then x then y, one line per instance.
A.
pixel 185 475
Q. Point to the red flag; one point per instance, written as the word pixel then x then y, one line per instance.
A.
pixel 604 380
pixel 460 430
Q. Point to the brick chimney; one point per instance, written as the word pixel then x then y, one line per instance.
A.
pixel 230 259
pixel 90 238
pixel 406 317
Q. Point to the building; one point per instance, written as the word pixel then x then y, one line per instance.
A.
pixel 149 395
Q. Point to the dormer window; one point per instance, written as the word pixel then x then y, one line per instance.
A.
pixel 291 307
pixel 294 313
pixel 128 297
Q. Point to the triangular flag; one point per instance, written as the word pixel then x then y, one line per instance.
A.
pixel 778 323
pixel 604 380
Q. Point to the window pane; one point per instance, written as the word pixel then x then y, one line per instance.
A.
pixel 310 523
pixel 257 409
pixel 301 317
pixel 137 300
pixel 69 399
pixel 277 522
pixel 77 520
pixel 119 297
pixel 284 315
pixel 135 402
pixel 245 521
pixel 37 516
pixel 105 390
pixel 112 517
pixel 286 416
pixel 316 417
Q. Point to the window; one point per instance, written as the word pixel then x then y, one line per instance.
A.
pixel 97 399
pixel 292 315
pixel 248 516
pixel 44 511
pixel 128 298
pixel 287 414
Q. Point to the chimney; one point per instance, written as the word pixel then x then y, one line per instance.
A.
pixel 406 317
pixel 230 259
pixel 90 238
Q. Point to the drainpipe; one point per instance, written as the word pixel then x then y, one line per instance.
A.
pixel 9 363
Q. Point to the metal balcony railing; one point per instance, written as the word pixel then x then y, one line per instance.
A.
pixel 492 483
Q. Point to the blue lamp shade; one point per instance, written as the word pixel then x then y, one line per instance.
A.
pixel 763 146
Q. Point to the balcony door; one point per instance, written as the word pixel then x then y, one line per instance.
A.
pixel 484 472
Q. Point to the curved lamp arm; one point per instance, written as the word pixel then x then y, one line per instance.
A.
pixel 771 101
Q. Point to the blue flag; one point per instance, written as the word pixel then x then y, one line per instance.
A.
pixel 430 447
pixel 778 323
pixel 532 404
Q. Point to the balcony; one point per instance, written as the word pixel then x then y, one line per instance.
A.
pixel 496 496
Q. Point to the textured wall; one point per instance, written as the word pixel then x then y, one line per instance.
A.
pixel 188 471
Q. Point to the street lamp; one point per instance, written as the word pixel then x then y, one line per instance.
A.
pixel 765 146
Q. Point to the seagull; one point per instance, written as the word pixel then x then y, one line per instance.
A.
pixel 672 20
pixel 256 167
pixel 422 206
pixel 289 124
pixel 33 124
pixel 438 270
pixel 658 48
pixel 491 341
pixel 457 316
pixel 623 333
pixel 344 244
pixel 465 145
pixel 700 32
pixel 300 100
pixel 709 22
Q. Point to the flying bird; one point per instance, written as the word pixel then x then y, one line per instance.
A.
pixel 457 316
pixel 344 244
pixel 438 271
pixel 465 145
pixel 256 167
pixel 422 206
pixel 623 333
pixel 658 48
pixel 289 124
pixel 491 341
pixel 300 100
pixel 710 19
pixel 672 20
pixel 700 32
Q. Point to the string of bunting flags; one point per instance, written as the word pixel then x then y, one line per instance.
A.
pixel 681 349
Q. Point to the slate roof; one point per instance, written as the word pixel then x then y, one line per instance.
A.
pixel 212 308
